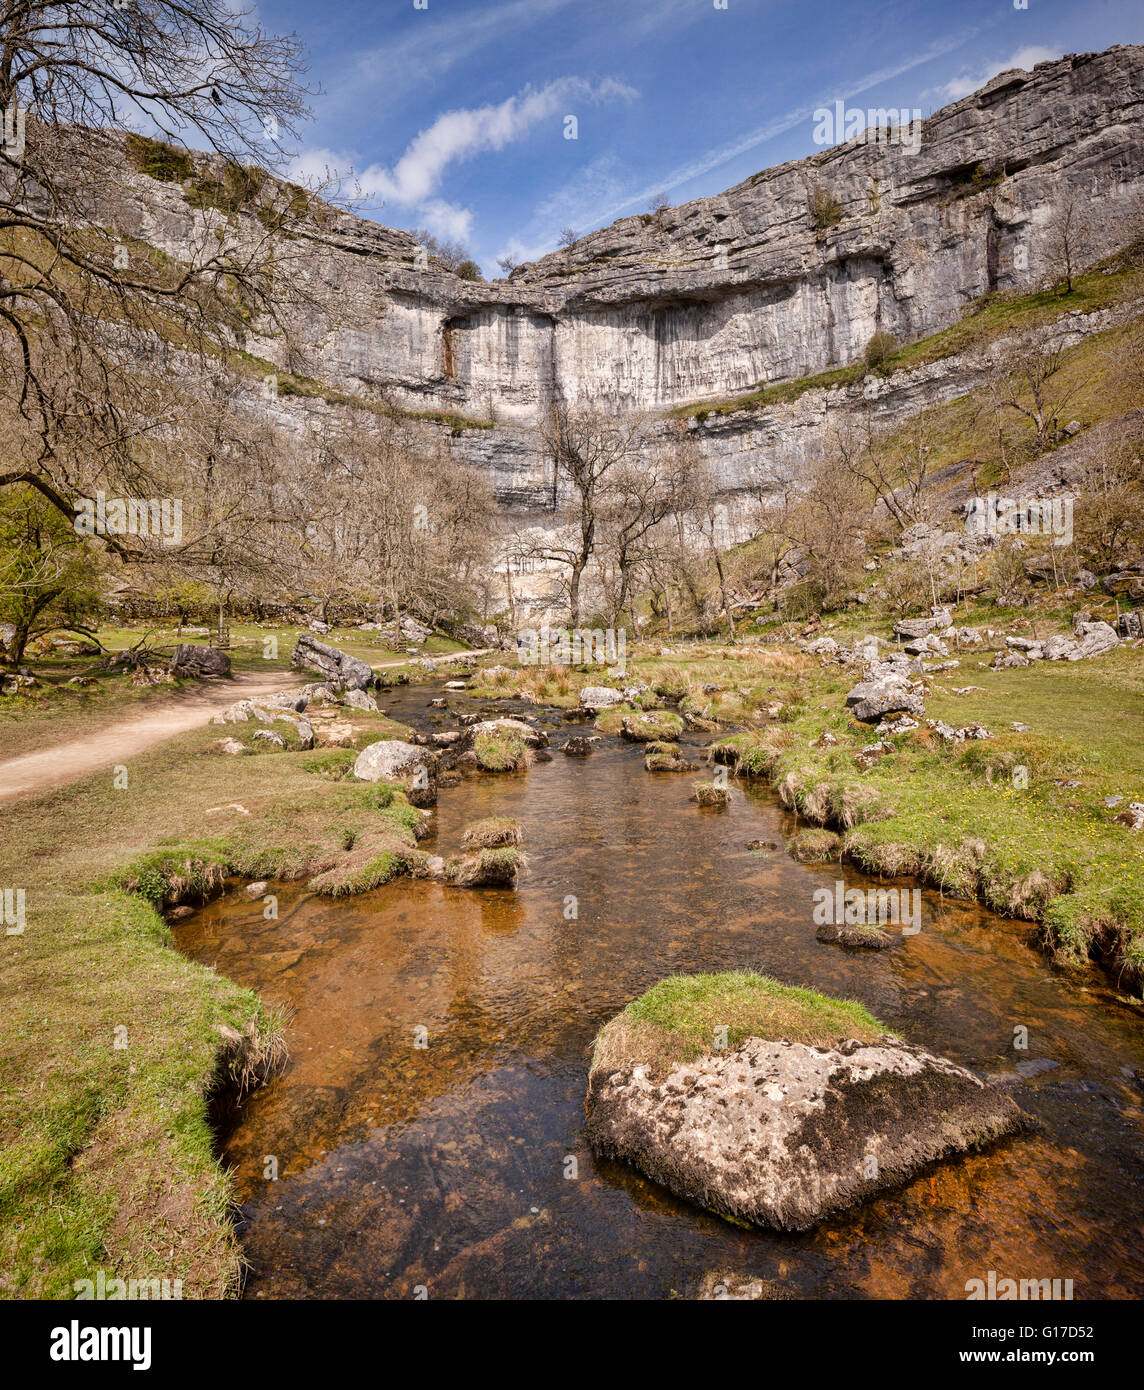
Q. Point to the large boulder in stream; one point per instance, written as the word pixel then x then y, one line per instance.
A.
pixel 777 1106
pixel 407 765
pixel 333 665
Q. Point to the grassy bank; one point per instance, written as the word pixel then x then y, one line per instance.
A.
pixel 114 1043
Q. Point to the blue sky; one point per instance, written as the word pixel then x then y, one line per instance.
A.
pixel 453 116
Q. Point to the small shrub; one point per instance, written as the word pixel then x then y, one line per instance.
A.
pixel 825 210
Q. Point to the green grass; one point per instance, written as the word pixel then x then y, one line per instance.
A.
pixel 107 1154
pixel 684 1017
pixel 500 751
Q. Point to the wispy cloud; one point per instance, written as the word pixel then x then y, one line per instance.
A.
pixel 458 135
pixel 431 45
pixel 969 81
pixel 414 182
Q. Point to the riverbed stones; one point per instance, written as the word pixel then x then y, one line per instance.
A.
pixel 580 746
pixel 406 764
pixel 855 936
pixel 596 697
pixel 311 655
pixel 785 1135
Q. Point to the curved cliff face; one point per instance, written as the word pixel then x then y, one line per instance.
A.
pixel 715 297
pixel 709 300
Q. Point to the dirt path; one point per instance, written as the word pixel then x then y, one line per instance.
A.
pixel 104 747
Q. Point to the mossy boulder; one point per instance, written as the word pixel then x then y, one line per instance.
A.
pixel 777 1105
pixel 652 726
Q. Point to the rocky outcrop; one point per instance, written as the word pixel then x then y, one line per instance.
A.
pixel 192 660
pixel 708 300
pixel 311 655
pixel 785 1135
pixel 405 764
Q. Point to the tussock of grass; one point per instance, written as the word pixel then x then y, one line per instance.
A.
pixel 492 832
pixel 500 751
pixel 815 846
pixel 708 794
pixel 652 727
pixel 367 866
pixel 489 868
pixel 680 1018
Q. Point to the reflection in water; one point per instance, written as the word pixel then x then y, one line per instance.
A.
pixel 460 1165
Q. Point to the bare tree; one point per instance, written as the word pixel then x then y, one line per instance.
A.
pixel 82 306
pixel 585 448
pixel 1067 238
pixel 1028 383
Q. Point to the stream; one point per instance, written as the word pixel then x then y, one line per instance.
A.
pixel 458 1168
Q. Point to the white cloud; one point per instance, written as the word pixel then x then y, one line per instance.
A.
pixel 446 221
pixel 1025 58
pixel 458 135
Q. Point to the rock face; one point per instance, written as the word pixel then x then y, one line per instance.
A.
pixel 785 1135
pixel 708 300
pixel 191 660
pixel 311 655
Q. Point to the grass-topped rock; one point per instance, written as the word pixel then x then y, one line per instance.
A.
pixel 777 1105
pixel 493 858
pixel 652 726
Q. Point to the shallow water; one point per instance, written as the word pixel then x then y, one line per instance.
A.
pixel 460 1167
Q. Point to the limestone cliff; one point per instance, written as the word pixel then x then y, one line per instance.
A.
pixel 708 300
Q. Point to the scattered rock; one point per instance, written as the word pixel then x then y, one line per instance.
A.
pixel 191 660
pixel 230 746
pixel 1132 816
pixel 270 736
pixel 256 890
pixel 311 655
pixel 870 699
pixel 580 746
pixel 391 760
pixel 855 936
pixel 597 697
pixel 361 699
